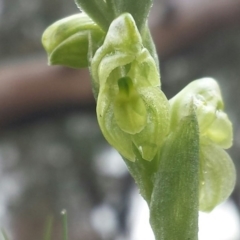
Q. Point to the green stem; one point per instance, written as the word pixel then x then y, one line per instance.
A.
pixel 143 173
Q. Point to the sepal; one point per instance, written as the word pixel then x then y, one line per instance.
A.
pixel 123 50
pixel 217 176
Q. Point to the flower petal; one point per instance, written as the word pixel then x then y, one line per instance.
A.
pixel 217 176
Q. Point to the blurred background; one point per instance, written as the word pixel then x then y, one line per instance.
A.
pixel 52 153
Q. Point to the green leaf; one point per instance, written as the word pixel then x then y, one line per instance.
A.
pixel 66 41
pixel 174 201
pixel 139 10
pixel 217 176
pixel 98 10
pixel 113 7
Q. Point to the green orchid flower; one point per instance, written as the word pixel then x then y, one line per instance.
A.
pixel 217 174
pixel 67 40
pixel 173 149
pixel 131 108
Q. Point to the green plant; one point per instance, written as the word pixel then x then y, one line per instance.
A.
pixel 49 227
pixel 173 149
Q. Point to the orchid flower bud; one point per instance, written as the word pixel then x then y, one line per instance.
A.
pixel 214 124
pixel 131 108
pixel 66 41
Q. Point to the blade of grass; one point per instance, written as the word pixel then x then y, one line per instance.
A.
pixel 3 235
pixel 65 225
pixel 48 229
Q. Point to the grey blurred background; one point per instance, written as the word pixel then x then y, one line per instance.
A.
pixel 52 153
